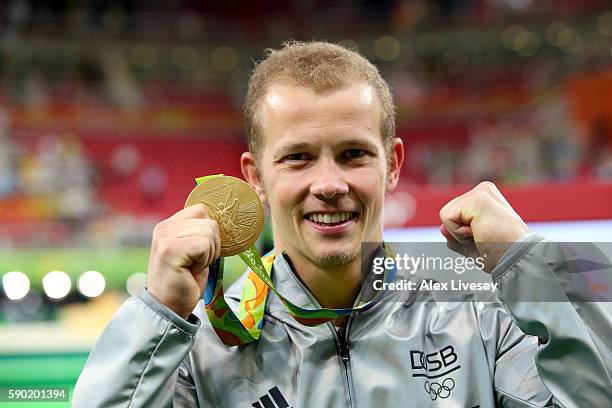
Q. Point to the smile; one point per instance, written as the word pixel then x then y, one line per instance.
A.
pixel 330 218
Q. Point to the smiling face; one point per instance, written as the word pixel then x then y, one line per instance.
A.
pixel 323 171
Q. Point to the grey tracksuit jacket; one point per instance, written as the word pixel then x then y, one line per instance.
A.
pixel 410 353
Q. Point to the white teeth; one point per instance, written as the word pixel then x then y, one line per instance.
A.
pixel 329 218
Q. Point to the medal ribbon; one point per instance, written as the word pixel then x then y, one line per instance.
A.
pixel 245 327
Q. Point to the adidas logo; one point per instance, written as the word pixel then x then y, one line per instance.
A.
pixel 277 400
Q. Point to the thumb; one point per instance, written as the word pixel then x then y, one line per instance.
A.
pixel 456 232
pixel 202 279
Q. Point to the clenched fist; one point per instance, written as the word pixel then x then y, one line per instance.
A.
pixel 481 223
pixel 183 247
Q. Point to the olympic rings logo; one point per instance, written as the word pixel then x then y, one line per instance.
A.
pixel 436 390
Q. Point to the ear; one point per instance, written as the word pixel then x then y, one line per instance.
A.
pixel 251 174
pixel 396 159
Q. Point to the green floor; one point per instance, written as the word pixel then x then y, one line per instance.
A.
pixel 38 370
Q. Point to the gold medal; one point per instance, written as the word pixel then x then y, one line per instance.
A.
pixel 236 208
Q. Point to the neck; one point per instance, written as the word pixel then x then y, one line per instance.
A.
pixel 335 287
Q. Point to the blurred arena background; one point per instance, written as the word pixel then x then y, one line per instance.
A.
pixel 110 109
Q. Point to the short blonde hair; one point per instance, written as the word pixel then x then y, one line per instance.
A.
pixel 321 66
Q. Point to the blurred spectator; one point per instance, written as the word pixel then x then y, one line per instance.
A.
pixel 73 72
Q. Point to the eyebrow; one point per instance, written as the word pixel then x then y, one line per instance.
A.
pixel 356 142
pixel 293 147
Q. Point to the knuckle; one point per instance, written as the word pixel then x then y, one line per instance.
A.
pixel 164 246
pixel 200 210
pixel 480 195
pixel 444 211
pixel 212 226
pixel 202 245
pixel 159 229
pixel 487 186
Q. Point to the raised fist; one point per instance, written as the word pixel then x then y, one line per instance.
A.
pixel 481 223
pixel 183 247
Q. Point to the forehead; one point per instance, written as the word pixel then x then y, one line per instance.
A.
pixel 294 111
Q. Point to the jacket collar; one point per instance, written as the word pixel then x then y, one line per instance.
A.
pixel 290 285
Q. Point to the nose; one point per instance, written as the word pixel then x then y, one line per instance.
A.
pixel 328 188
pixel 328 185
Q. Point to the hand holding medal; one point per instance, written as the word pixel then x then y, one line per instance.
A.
pixel 183 246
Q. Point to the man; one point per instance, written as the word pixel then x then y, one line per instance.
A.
pixel 322 155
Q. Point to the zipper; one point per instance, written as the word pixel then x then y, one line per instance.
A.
pixel 342 348
pixel 341 336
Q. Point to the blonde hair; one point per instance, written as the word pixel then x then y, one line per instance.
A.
pixel 321 66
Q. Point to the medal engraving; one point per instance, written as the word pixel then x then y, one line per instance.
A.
pixel 236 208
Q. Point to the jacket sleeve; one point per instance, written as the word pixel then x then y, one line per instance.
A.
pixel 138 361
pixel 568 344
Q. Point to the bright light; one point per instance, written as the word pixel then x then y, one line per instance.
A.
pixel 91 283
pixel 16 285
pixel 56 284
pixel 135 283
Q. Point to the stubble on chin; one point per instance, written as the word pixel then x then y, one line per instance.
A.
pixel 335 259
